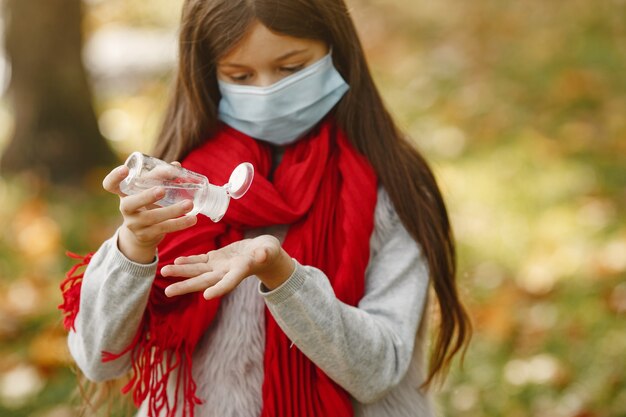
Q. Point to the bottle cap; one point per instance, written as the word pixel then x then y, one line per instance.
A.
pixel 240 180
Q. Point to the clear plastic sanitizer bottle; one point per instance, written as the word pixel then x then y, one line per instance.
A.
pixel 181 184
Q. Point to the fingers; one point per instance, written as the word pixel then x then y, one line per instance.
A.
pixel 204 258
pixel 112 181
pixel 186 270
pixel 219 272
pixel 195 284
pixel 158 215
pixel 132 203
pixel 147 233
pixel 225 285
pixel 214 284
pixel 159 220
pixel 173 225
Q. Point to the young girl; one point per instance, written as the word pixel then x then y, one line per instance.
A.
pixel 309 297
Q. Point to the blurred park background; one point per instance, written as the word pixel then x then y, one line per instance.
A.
pixel 519 105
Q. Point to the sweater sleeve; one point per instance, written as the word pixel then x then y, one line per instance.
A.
pixel 114 295
pixel 366 349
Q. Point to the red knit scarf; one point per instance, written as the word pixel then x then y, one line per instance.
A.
pixel 326 192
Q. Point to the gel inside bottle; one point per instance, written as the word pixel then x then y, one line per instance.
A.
pixel 181 184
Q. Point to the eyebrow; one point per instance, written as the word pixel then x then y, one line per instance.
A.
pixel 290 54
pixel 280 58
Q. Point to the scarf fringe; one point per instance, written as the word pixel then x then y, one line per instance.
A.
pixel 70 289
pixel 152 366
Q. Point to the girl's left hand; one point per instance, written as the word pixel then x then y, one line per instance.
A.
pixel 220 271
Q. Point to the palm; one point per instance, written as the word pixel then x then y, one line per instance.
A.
pixel 220 271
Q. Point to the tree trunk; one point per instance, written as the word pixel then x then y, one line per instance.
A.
pixel 56 134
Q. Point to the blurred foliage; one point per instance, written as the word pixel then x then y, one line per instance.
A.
pixel 520 107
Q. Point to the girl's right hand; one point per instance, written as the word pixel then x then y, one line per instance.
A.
pixel 145 224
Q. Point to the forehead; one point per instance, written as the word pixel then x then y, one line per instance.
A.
pixel 260 43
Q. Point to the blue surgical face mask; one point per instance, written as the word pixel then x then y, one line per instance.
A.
pixel 283 112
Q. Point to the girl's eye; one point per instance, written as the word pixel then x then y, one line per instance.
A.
pixel 292 68
pixel 238 78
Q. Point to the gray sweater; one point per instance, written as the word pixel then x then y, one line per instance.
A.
pixel 375 350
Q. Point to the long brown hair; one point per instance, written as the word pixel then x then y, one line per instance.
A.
pixel 210 28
